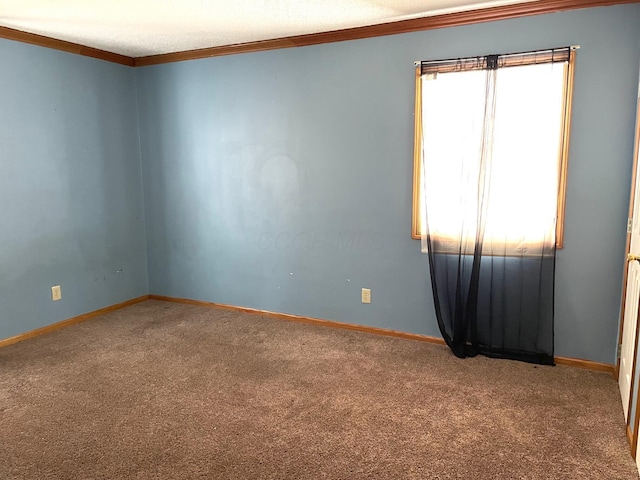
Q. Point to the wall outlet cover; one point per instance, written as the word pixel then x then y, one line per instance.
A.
pixel 366 295
pixel 56 293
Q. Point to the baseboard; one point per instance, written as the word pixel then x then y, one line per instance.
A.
pixel 573 362
pixel 588 364
pixel 70 321
pixel 309 320
pixel 632 446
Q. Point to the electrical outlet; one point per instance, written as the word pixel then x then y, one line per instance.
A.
pixel 366 295
pixel 56 293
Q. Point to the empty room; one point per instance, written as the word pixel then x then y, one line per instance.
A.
pixel 326 239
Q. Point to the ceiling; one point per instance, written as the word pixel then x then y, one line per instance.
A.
pixel 138 28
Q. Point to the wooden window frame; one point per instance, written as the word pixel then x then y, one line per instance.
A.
pixel 563 163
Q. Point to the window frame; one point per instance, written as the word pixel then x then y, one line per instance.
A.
pixel 416 221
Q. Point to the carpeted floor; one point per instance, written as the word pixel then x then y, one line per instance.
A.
pixel 161 390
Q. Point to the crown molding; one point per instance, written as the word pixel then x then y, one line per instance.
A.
pixel 491 14
pixel 503 12
pixel 63 45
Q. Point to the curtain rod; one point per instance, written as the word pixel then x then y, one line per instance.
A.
pixel 418 63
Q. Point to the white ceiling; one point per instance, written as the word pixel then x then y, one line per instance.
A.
pixel 138 28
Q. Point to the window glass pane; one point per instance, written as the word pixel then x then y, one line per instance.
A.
pixel 525 164
pixel 526 153
pixel 452 113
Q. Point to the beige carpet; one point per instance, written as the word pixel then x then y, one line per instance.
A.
pixel 160 390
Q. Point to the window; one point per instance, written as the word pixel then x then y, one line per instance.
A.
pixel 531 105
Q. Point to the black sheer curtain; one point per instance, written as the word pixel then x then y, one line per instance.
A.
pixel 496 306
pixel 490 231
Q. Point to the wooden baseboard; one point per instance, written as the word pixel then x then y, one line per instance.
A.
pixel 573 362
pixel 309 320
pixel 588 364
pixel 70 321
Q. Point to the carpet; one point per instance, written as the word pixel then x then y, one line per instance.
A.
pixel 167 391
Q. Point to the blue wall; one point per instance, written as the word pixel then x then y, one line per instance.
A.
pixel 70 187
pixel 282 180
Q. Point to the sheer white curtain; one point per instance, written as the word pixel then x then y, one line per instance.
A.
pixel 521 159
pixel 493 140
